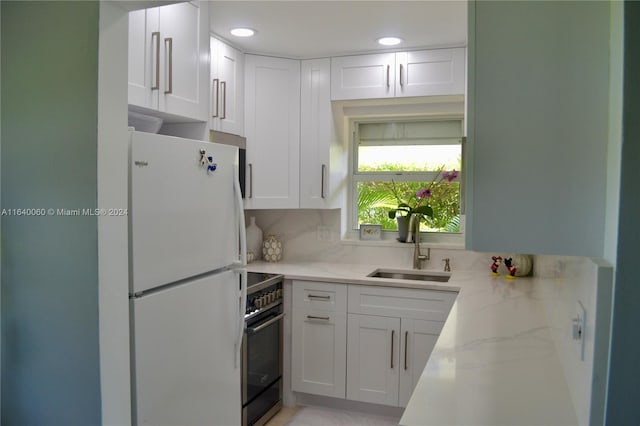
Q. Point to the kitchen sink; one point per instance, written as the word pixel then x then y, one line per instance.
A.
pixel 399 274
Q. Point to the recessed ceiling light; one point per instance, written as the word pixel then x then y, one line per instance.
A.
pixel 389 41
pixel 242 32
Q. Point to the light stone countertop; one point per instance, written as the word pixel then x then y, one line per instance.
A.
pixel 494 363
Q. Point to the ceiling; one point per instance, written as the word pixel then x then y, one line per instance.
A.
pixel 312 29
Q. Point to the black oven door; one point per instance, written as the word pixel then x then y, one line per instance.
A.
pixel 262 364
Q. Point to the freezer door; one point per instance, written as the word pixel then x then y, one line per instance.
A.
pixel 184 354
pixel 184 217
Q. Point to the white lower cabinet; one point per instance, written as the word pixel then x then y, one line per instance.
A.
pixel 373 359
pixel 385 357
pixel 417 339
pixel 364 343
pixel 319 338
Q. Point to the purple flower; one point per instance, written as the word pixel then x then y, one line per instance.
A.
pixel 424 193
pixel 450 176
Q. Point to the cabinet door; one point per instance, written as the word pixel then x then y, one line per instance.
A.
pixel 373 361
pixel 184 67
pixel 144 66
pixel 272 128
pixel 430 72
pixel 230 65
pixel 537 179
pixel 318 356
pixel 316 133
pixel 417 339
pixel 363 76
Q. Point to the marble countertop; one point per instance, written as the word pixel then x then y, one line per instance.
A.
pixel 494 363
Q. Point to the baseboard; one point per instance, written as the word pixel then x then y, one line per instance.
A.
pixel 345 404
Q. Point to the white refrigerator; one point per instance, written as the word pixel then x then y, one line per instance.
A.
pixel 187 282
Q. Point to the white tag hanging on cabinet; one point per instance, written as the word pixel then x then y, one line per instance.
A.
pixel 207 160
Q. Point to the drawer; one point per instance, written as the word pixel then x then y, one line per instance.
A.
pixel 432 305
pixel 316 295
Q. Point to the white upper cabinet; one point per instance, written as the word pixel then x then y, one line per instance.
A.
pixel 227 88
pixel 413 73
pixel 363 76
pixel 322 156
pixel 430 72
pixel 168 59
pixel 272 129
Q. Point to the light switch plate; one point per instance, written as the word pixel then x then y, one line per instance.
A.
pixel 579 327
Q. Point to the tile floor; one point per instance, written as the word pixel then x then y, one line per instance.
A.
pixel 320 416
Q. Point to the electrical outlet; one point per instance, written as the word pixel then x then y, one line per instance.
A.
pixel 324 233
pixel 579 323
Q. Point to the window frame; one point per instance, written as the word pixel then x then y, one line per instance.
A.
pixel 446 238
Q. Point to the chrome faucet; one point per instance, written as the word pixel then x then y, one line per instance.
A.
pixel 418 257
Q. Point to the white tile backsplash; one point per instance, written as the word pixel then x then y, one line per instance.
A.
pixel 569 280
pixel 298 230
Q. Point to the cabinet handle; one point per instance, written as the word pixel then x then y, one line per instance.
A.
pixel 216 83
pixel 223 87
pixel 388 66
pixel 406 339
pixel 401 76
pixel 393 332
pixel 314 296
pixel 250 180
pixel 169 41
pixel 318 318
pixel 266 324
pixel 156 35
pixel 324 169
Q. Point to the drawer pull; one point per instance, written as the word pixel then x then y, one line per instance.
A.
pixel 314 296
pixel 318 318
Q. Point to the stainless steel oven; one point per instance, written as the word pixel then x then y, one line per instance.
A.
pixel 262 349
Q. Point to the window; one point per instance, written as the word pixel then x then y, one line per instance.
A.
pixel 392 160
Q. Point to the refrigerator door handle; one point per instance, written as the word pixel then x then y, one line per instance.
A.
pixel 241 221
pixel 241 312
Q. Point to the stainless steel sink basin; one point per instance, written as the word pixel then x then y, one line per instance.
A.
pixel 399 274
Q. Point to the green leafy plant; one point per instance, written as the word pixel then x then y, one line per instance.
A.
pixel 421 201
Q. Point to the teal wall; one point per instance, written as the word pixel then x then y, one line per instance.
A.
pixel 624 373
pixel 50 350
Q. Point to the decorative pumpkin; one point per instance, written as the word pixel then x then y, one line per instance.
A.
pixel 522 262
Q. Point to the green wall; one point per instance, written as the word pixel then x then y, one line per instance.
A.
pixel 623 394
pixel 50 350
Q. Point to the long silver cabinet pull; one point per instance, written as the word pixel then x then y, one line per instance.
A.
pixel 401 76
pixel 318 318
pixel 388 67
pixel 406 339
pixel 314 296
pixel 266 324
pixel 215 107
pixel 393 333
pixel 169 42
pixel 223 87
pixel 156 84
pixel 322 176
pixel 250 180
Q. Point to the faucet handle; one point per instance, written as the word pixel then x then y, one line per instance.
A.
pixel 447 265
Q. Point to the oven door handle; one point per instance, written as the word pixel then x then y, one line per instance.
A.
pixel 266 324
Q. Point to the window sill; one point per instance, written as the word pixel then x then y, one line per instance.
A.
pixel 444 241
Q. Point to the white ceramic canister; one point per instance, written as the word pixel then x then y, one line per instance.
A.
pixel 272 249
pixel 254 239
